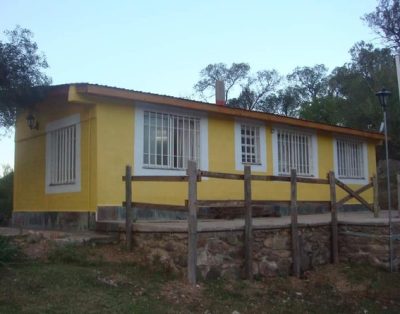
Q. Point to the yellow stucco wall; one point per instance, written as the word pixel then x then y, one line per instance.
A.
pixel 30 151
pixel 222 159
pixel 115 151
pixel 107 144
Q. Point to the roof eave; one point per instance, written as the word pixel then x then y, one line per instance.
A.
pixel 104 91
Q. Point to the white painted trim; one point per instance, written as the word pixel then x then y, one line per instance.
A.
pixel 239 165
pixel 362 181
pixel 62 123
pixel 314 143
pixel 138 168
pixel 52 126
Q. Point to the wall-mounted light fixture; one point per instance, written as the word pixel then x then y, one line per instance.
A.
pixel 32 122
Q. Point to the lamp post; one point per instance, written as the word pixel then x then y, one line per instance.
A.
pixel 383 96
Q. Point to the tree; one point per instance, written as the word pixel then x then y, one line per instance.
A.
pixel 255 92
pixel 385 21
pixel 21 67
pixel 232 76
pixel 6 170
pixel 328 109
pixel 310 82
pixel 284 102
pixel 350 95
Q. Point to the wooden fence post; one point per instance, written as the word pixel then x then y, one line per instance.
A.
pixel 398 192
pixel 294 223
pixel 128 207
pixel 334 222
pixel 192 221
pixel 376 194
pixel 248 228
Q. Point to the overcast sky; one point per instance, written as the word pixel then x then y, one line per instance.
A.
pixel 160 46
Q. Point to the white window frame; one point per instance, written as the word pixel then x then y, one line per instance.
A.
pixel 363 180
pixel 239 165
pixel 53 126
pixel 314 153
pixel 138 166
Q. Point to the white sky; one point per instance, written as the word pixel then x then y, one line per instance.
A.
pixel 161 46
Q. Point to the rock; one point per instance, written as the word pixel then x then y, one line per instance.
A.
pixel 232 239
pixel 169 247
pixel 280 242
pixel 268 242
pixel 202 258
pixel 215 246
pixel 282 253
pixel 213 273
pixel 34 238
pixel 267 268
pixel 180 261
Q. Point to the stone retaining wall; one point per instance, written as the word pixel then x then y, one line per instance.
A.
pixel 221 253
pixel 369 244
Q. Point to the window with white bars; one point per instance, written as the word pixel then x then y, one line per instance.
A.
pixel 294 151
pixel 350 159
pixel 170 140
pixel 63 155
pixel 250 144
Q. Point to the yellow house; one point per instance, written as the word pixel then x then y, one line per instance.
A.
pixel 70 164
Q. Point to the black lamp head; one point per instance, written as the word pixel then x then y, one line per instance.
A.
pixel 383 96
pixel 32 122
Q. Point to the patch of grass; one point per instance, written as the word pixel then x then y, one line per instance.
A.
pixel 71 288
pixel 9 252
pixel 358 273
pixel 71 284
pixel 71 254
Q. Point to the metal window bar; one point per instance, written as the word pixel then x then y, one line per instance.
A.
pixel 294 152
pixel 350 159
pixel 170 140
pixel 63 156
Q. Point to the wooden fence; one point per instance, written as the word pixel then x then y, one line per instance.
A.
pixel 193 176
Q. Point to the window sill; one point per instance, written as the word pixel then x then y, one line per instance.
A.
pixel 251 164
pixel 301 176
pixel 63 188
pixel 357 181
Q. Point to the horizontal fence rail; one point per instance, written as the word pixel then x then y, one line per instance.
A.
pixel 159 178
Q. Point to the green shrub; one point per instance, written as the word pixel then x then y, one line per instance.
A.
pixel 9 252
pixel 6 198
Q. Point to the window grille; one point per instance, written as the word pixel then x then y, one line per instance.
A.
pixel 250 144
pixel 170 140
pixel 63 156
pixel 295 151
pixel 350 159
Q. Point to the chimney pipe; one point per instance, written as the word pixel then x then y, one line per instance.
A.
pixel 220 93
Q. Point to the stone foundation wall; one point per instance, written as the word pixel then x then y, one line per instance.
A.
pixel 54 220
pixel 221 254
pixel 369 244
pixel 168 250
